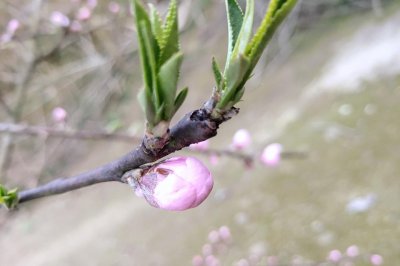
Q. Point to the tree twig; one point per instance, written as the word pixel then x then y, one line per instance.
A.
pixel 192 128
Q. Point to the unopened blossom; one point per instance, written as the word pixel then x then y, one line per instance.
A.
pixel 59 19
pixel 12 26
pixel 241 139
pixel 213 237
pixel 114 7
pixel 92 3
pixel 376 259
pixel 224 233
pixel 197 260
pixel 353 251
pixel 176 184
pixel 84 13
pixel 200 146
pixel 271 155
pixel 59 115
pixel 334 255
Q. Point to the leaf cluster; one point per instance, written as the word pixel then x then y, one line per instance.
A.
pixel 9 198
pixel 244 51
pixel 161 60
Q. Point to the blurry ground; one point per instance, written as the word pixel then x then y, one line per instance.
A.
pixel 336 97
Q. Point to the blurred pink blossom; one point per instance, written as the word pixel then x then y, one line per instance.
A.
pixel 376 259
pixel 59 115
pixel 211 260
pixel 352 251
pixel 114 7
pixel 271 155
pixel 242 262
pixel 200 146
pixel 92 3
pixel 334 255
pixel 213 237
pixel 241 139
pixel 176 184
pixel 76 26
pixel 225 233
pixel 197 260
pixel 84 13
pixel 12 26
pixel 59 19
pixel 207 249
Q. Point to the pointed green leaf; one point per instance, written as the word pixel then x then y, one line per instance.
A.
pixel 160 114
pixel 150 62
pixel 148 49
pixel 147 105
pixel 180 99
pixel 219 79
pixel 236 77
pixel 235 20
pixel 170 34
pixel 277 11
pixel 156 25
pixel 168 81
pixel 245 31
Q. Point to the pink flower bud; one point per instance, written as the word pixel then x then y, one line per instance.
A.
pixel 334 255
pixel 59 19
pixel 271 155
pixel 213 237
pixel 59 115
pixel 225 233
pixel 352 251
pixel 84 13
pixel 197 260
pixel 177 184
pixel 241 139
pixel 211 260
pixel 200 146
pixel 12 26
pixel 92 3
pixel 376 259
pixel 114 7
pixel 207 249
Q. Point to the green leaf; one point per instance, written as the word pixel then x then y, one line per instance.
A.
pixel 170 34
pixel 8 197
pixel 180 99
pixel 235 21
pixel 168 80
pixel 156 25
pixel 160 113
pixel 147 105
pixel 219 79
pixel 236 77
pixel 150 61
pixel 245 32
pixel 277 11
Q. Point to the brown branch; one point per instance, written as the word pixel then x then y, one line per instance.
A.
pixel 192 128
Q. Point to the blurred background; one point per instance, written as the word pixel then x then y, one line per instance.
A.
pixel 328 86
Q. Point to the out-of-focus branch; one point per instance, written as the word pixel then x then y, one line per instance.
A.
pixel 33 59
pixel 40 131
